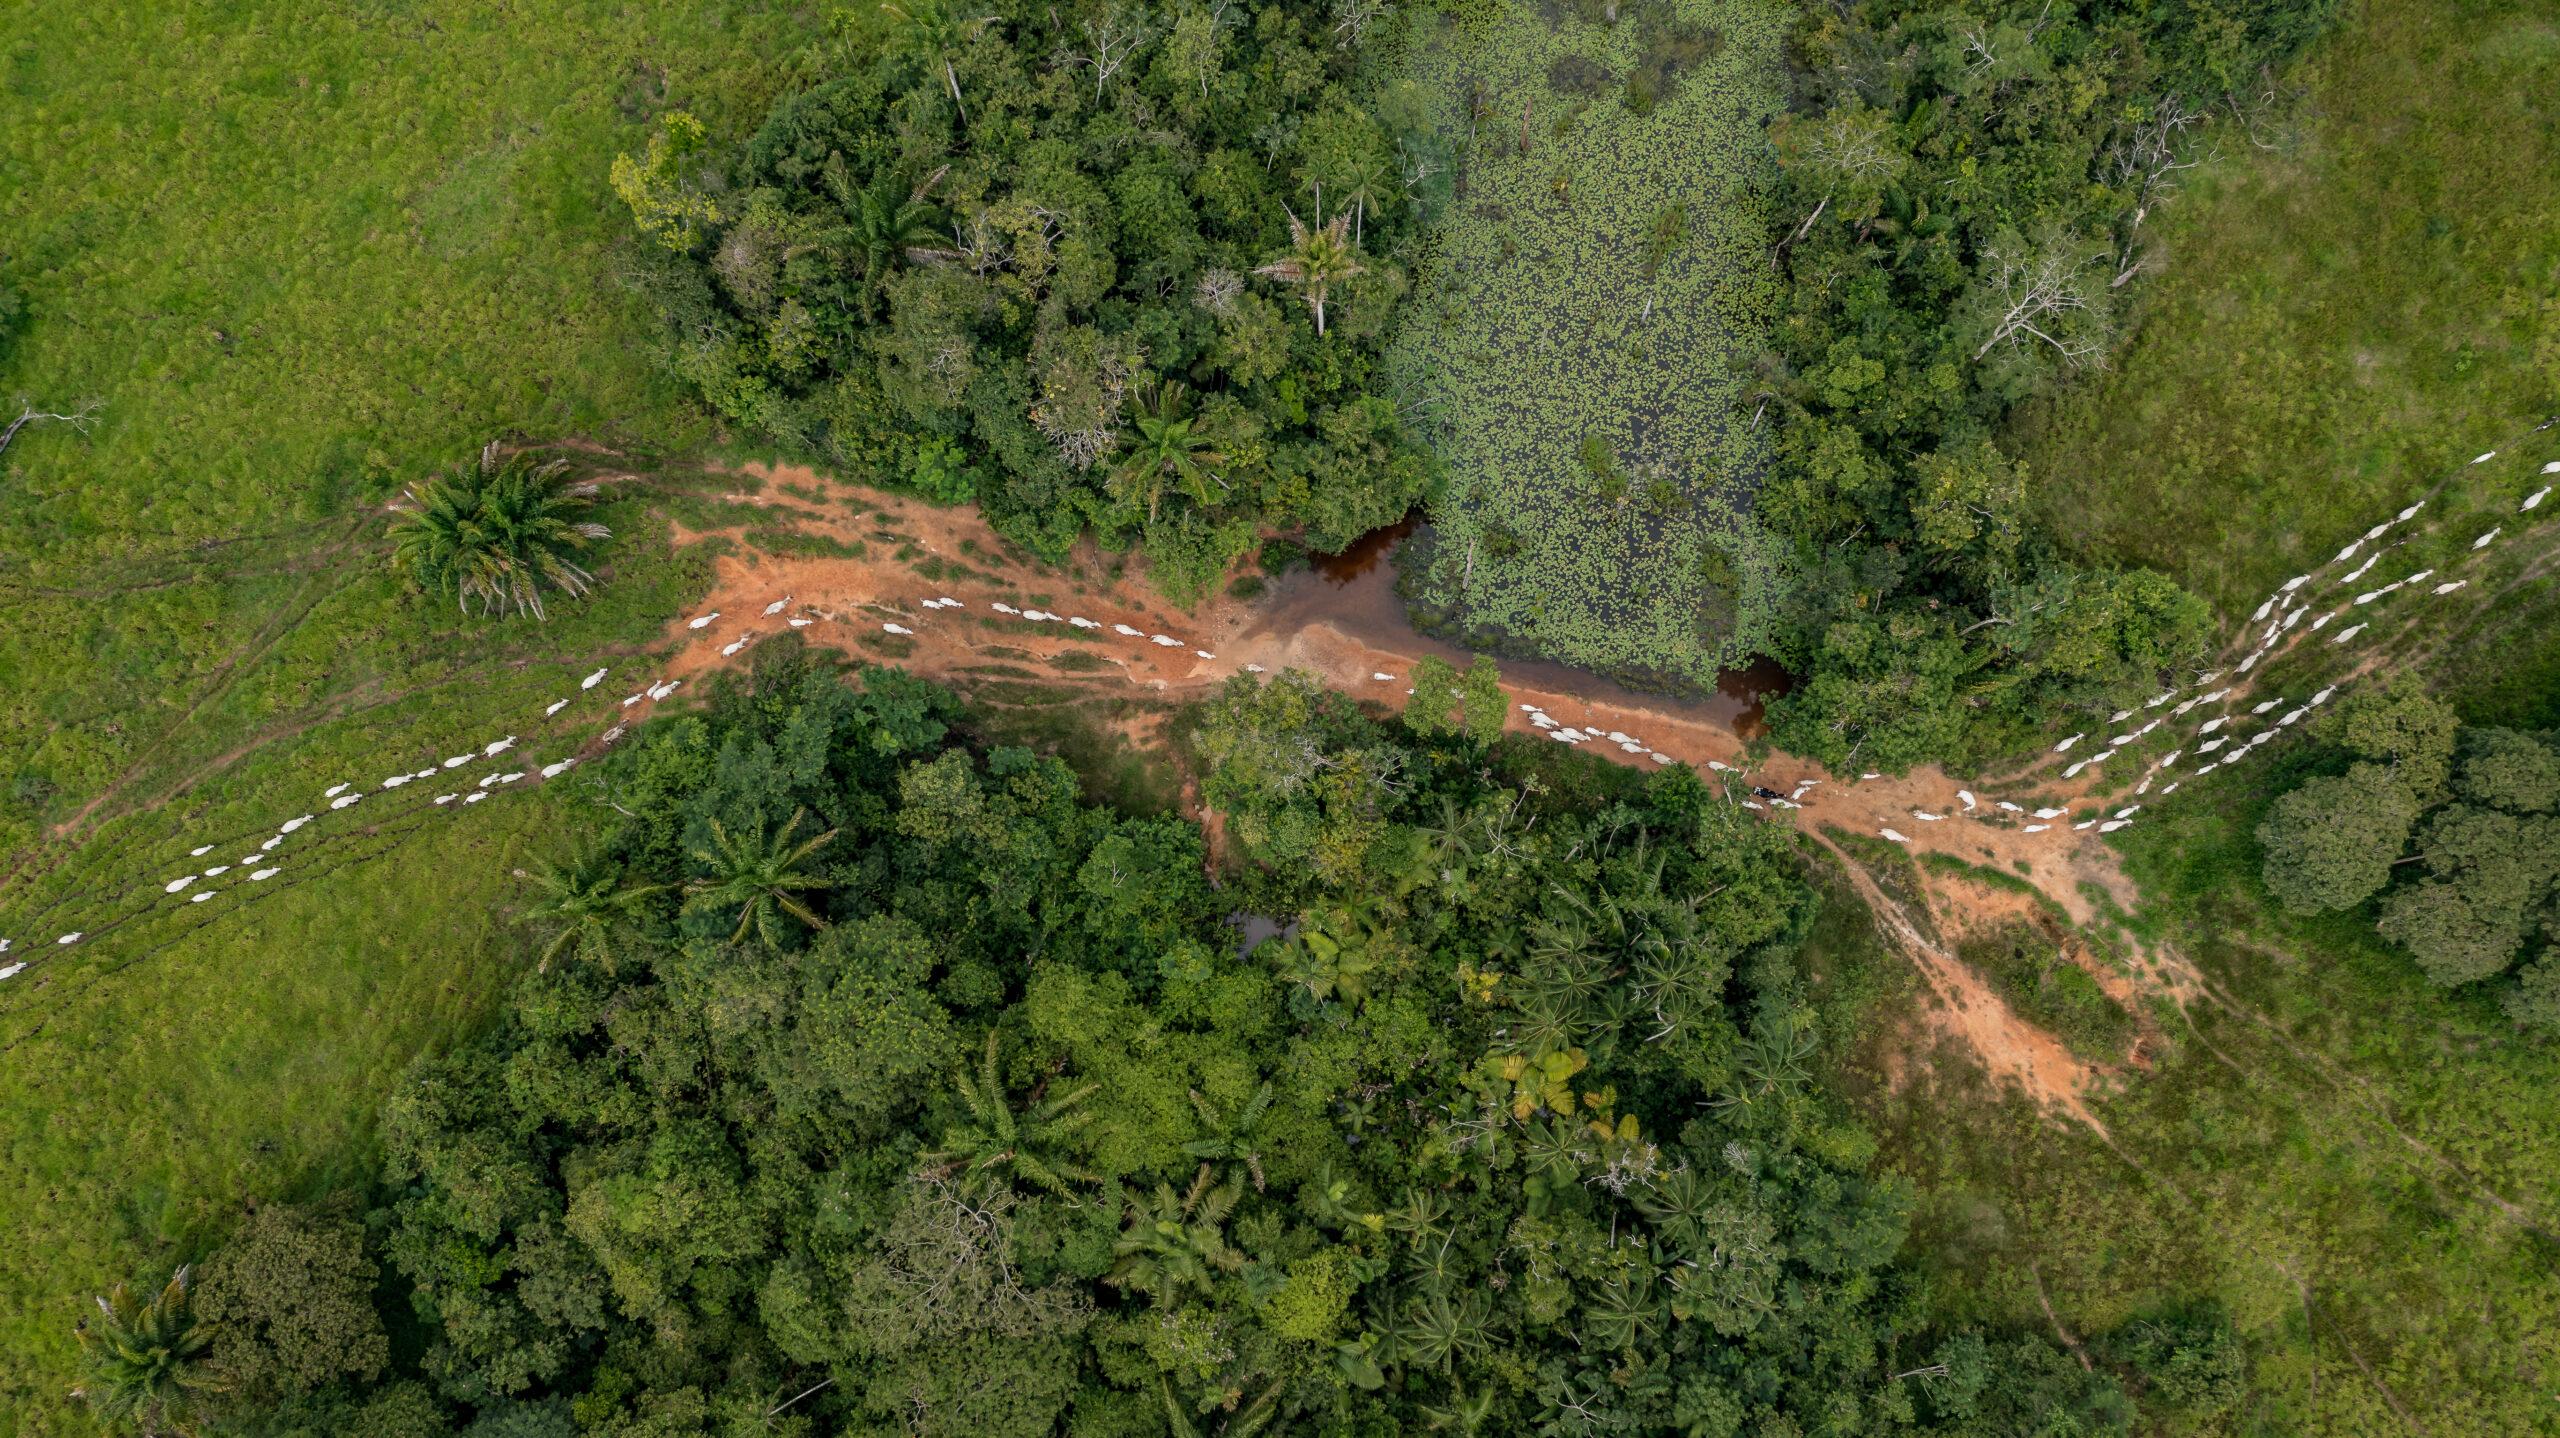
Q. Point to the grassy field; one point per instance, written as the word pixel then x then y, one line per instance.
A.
pixel 2338 320
pixel 1590 307
pixel 299 257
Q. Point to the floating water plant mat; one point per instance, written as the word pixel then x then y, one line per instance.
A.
pixel 1593 297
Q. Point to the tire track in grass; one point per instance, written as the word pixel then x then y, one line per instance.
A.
pixel 75 987
pixel 215 686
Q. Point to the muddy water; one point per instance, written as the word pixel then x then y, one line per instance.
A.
pixel 1355 591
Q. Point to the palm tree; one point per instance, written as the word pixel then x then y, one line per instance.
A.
pixel 760 877
pixel 1445 1331
pixel 1318 259
pixel 1177 1242
pixel 1331 954
pixel 146 1360
pixel 1623 1312
pixel 1772 1063
pixel 1465 1413
pixel 882 223
pixel 1025 1142
pixel 928 29
pixel 1371 185
pixel 1237 1139
pixel 496 535
pixel 590 902
pixel 1169 449
pixel 1422 1216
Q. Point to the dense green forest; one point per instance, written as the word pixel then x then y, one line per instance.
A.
pixel 1093 266
pixel 872 1082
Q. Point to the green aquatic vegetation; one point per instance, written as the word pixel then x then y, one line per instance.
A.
pixel 1586 319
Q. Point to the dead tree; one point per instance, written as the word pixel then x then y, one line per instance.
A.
pixel 1112 43
pixel 2046 296
pixel 2144 164
pixel 80 418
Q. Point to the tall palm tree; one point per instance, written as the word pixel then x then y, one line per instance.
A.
pixel 998 1137
pixel 1372 185
pixel 590 903
pixel 497 534
pixel 928 28
pixel 759 875
pixel 883 224
pixel 1169 449
pixel 146 1361
pixel 1319 258
pixel 1445 1331
pixel 1177 1241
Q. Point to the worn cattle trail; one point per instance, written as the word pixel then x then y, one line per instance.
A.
pixel 911 553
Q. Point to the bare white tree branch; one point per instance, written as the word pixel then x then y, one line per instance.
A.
pixel 80 418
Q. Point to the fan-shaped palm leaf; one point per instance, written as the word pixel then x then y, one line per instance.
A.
pixel 760 876
pixel 589 903
pixel 494 536
pixel 146 1361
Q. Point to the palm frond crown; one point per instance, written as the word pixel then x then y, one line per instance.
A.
pixel 494 536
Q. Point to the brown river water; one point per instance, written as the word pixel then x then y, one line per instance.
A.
pixel 1355 591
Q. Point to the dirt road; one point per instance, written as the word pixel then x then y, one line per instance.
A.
pixel 936 591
